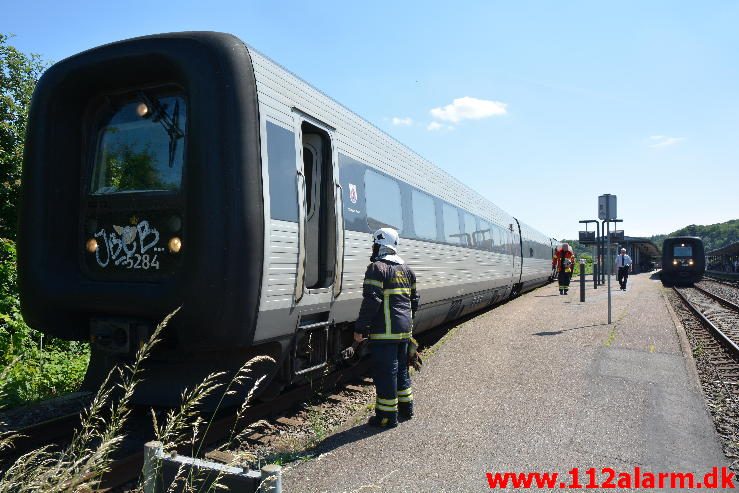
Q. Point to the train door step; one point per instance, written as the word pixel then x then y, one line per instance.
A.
pixel 311 343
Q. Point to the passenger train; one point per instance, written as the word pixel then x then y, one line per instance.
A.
pixel 683 260
pixel 189 170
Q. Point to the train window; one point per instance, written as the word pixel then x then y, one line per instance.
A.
pixel 383 201
pixel 452 233
pixel 483 237
pixel 683 251
pixel 309 171
pixel 283 187
pixel 470 226
pixel 499 233
pixel 141 146
pixel 424 215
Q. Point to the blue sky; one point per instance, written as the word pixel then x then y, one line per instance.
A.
pixel 539 106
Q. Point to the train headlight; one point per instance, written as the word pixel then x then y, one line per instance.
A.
pixel 91 245
pixel 142 110
pixel 174 244
pixel 690 261
pixel 674 262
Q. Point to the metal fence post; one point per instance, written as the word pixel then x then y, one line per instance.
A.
pixel 271 479
pixel 582 279
pixel 595 275
pixel 152 467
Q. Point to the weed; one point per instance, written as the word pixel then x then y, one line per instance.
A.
pixel 611 338
pixel 79 467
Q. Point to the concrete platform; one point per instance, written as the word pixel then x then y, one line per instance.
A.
pixel 542 383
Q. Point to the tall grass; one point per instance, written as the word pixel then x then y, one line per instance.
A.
pixel 80 466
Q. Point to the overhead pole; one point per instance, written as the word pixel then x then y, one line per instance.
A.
pixel 607 213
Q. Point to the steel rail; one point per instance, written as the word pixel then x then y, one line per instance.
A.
pixel 726 281
pixel 49 431
pixel 723 301
pixel 720 336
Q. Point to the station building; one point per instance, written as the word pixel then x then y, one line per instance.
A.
pixel 724 260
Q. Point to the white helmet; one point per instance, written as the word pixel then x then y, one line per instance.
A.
pixel 623 250
pixel 386 237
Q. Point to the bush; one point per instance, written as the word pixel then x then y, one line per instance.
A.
pixel 34 367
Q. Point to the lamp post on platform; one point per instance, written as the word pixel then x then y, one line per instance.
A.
pixel 607 213
pixel 608 259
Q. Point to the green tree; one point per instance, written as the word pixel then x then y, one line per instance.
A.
pixel 30 371
pixel 18 76
pixel 714 235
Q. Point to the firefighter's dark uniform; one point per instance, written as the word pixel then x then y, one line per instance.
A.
pixel 386 317
pixel 564 262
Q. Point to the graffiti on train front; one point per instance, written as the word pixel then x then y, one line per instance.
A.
pixel 129 247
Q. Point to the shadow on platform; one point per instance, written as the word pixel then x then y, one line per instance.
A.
pixel 354 434
pixel 557 332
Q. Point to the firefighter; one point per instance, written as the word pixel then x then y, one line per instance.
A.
pixel 389 303
pixel 564 263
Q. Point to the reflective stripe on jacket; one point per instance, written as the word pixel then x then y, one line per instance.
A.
pixel 389 302
pixel 559 257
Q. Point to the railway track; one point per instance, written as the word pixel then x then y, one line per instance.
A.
pixel 55 430
pixel 127 468
pixel 719 315
pixel 127 462
pixel 711 324
pixel 721 280
pixel 728 291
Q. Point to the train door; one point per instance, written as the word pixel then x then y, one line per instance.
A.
pixel 321 223
pixel 321 244
pixel 315 235
pixel 517 252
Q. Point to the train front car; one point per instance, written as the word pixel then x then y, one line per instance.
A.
pixel 142 172
pixel 683 260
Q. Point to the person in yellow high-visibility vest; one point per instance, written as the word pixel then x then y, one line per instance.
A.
pixel 564 263
pixel 389 302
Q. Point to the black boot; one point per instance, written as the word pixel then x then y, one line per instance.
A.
pixel 405 411
pixel 383 421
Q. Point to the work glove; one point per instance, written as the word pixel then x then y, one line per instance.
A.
pixel 414 359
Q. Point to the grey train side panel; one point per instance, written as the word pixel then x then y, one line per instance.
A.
pixel 536 256
pixel 446 273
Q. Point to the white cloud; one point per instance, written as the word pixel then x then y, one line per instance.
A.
pixel 436 126
pixel 402 121
pixel 657 141
pixel 468 108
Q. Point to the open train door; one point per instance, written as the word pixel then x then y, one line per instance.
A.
pixel 517 248
pixel 320 243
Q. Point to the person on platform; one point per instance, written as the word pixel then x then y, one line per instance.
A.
pixel 564 264
pixel 623 263
pixel 386 316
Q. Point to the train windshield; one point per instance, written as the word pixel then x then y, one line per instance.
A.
pixel 683 251
pixel 141 146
